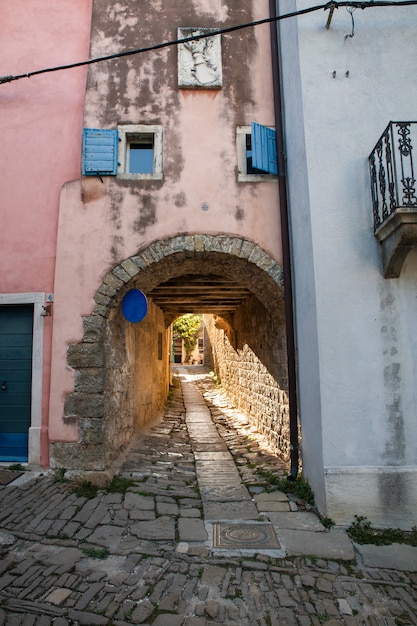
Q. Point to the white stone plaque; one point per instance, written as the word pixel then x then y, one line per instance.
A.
pixel 199 60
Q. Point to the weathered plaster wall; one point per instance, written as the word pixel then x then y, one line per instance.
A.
pixel 40 122
pixel 103 223
pixel 199 125
pixel 249 356
pixel 355 342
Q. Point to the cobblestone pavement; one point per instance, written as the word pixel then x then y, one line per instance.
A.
pixel 143 552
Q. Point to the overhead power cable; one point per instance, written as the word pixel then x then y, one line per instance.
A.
pixel 221 31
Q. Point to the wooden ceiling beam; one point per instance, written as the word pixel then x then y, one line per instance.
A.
pixel 199 294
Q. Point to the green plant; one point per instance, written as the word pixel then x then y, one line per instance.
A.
pixel 85 490
pixel 361 531
pixel 403 619
pixel 119 484
pixel 127 616
pixel 196 489
pixel 146 494
pixel 59 475
pixel 327 522
pixel 17 467
pixel 312 558
pixel 187 327
pixel 300 486
pixel 96 553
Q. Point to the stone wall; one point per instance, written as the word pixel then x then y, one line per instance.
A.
pixel 121 384
pixel 136 378
pixel 249 356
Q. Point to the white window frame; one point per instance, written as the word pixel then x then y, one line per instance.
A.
pixel 129 130
pixel 242 176
pixel 38 301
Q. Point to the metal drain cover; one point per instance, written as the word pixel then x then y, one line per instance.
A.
pixel 244 536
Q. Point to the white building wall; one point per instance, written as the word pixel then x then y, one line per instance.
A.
pixel 355 330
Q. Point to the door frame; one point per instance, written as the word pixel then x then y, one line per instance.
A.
pixel 38 301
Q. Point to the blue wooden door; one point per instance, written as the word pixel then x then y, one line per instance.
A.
pixel 16 338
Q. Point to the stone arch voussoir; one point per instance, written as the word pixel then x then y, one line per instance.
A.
pixel 157 252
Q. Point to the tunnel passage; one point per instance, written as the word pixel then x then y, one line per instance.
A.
pixel 122 370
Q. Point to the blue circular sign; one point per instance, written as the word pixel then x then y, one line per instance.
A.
pixel 134 306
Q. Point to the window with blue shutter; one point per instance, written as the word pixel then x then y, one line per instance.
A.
pixel 248 155
pixel 100 149
pixel 264 149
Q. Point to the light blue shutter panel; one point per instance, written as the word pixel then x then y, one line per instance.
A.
pixel 264 149
pixel 99 152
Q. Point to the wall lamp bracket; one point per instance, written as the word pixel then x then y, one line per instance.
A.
pixel 46 310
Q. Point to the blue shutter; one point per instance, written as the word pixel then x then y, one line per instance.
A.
pixel 264 149
pixel 100 149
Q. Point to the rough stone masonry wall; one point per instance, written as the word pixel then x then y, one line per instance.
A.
pixel 136 376
pixel 121 384
pixel 250 360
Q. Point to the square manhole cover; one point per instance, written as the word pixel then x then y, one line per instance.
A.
pixel 244 536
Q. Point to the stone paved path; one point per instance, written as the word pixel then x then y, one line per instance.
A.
pixel 143 553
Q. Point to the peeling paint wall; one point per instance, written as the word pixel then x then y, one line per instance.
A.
pixel 199 125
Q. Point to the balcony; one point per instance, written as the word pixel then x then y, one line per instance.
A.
pixel 394 201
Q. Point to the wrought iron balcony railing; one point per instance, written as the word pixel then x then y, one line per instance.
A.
pixel 393 182
pixel 394 200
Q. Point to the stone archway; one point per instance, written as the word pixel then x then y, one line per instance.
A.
pixel 89 403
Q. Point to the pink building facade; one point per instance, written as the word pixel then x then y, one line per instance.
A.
pixel 86 236
pixel 40 122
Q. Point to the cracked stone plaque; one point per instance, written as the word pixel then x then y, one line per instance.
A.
pixel 244 536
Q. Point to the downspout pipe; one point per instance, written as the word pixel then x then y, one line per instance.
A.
pixel 286 243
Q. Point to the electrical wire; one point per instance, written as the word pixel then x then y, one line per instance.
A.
pixel 351 10
pixel 221 31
